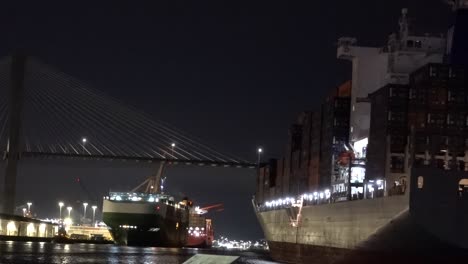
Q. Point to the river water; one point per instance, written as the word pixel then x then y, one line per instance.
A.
pixel 40 252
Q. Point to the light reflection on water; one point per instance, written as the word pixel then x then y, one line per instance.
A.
pixel 40 252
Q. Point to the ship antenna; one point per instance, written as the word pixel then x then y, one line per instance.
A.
pixel 404 23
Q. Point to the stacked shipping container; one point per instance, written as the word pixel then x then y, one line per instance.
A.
pixel 314 142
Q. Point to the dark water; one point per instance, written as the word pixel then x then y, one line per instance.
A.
pixel 40 252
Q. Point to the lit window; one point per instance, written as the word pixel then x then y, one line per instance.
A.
pixel 417 44
pixel 463 187
pixel 432 72
pixel 420 182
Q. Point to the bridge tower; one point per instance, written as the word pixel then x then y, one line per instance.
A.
pixel 15 109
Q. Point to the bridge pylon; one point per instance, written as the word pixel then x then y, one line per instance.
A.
pixel 15 109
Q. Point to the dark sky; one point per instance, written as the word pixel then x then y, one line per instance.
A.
pixel 234 73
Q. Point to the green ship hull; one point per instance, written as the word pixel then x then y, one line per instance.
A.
pixel 146 224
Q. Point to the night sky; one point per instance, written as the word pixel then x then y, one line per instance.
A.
pixel 233 73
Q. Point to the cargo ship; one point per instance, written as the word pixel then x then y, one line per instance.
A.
pixel 382 166
pixel 200 232
pixel 146 216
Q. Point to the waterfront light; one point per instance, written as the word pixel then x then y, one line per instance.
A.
pixel 67 221
pixel 30 230
pixel 42 230
pixel 84 212
pixel 11 228
pixel 94 213
pixel 60 204
pixel 69 208
pixel 29 207
pixel 84 140
pixel 24 212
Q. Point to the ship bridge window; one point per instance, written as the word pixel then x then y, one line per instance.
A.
pixel 420 182
pixel 463 188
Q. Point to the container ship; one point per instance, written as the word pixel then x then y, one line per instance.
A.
pixel 146 216
pixel 382 165
pixel 200 233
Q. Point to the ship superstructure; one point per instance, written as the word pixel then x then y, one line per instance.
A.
pixel 390 171
pixel 377 67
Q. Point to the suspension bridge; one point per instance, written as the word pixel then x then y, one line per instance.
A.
pixel 45 113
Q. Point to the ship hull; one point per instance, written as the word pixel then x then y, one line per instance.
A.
pixel 156 225
pixel 198 242
pixel 422 221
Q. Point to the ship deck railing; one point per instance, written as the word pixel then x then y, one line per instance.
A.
pixel 334 198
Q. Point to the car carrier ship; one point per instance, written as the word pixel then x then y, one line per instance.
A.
pixel 382 166
pixel 146 216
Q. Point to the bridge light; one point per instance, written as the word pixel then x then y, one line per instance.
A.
pixel 173 145
pixel 259 151
pixel 84 140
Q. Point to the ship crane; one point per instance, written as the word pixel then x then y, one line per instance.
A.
pixel 154 184
pixel 205 209
pixel 86 191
